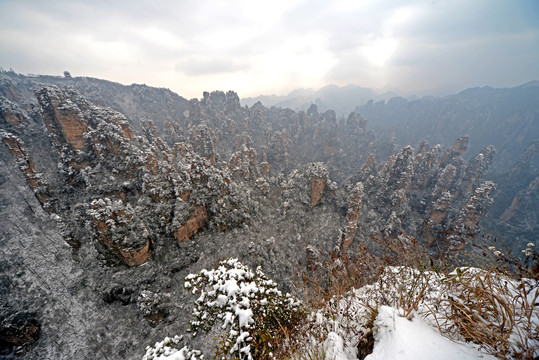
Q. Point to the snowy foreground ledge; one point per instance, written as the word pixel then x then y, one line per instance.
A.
pixel 413 308
pixel 400 338
pixel 409 314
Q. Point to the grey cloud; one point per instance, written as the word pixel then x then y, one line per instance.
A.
pixel 444 22
pixel 481 62
pixel 458 41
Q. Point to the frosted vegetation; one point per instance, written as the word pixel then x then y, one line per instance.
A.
pixel 245 304
pixel 406 313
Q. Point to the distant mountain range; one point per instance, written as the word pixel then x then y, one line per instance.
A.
pixel 343 100
pixel 507 118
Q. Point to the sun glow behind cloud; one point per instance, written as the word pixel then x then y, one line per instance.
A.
pixel 160 37
pixel 378 51
pixel 378 48
pixel 300 59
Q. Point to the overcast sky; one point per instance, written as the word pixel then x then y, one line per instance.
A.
pixel 272 47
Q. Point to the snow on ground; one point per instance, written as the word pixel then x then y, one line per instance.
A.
pixel 167 350
pixel 402 294
pixel 400 338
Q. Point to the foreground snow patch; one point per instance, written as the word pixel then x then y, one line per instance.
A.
pixel 439 306
pixel 400 338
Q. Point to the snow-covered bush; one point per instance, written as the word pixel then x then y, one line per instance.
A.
pixel 248 304
pixel 166 349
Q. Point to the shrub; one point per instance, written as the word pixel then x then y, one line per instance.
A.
pixel 257 315
pixel 167 348
pixel 493 311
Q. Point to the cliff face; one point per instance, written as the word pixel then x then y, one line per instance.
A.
pixel 422 194
pixel 116 210
pixel 131 182
pixel 505 118
pixel 117 201
pixel 281 139
pixel 514 213
pixel 34 179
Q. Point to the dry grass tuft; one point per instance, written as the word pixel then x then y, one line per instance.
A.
pixel 495 312
pixel 494 307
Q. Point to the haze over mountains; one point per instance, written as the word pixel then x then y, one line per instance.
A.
pixel 112 194
pixel 343 100
pixel 505 118
pixel 486 114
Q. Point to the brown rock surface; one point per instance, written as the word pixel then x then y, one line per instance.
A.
pixel 458 148
pixel 265 169
pixel 11 118
pixel 511 211
pixel 474 209
pixel 441 209
pixel 62 117
pixel 195 223
pixel 352 215
pixel 33 177
pixel 318 185
pixel 131 257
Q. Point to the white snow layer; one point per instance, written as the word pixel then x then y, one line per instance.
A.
pixel 182 354
pixel 396 337
pixel 400 338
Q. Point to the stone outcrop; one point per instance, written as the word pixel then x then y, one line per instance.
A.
pixel 317 188
pixel 193 225
pixel 352 216
pixel 441 208
pixel 150 306
pixel 306 186
pixel 10 113
pixel 34 178
pixel 511 211
pixel 204 141
pixel 521 212
pixel 369 163
pixel 282 138
pixel 243 163
pixel 104 162
pixel 477 167
pixel 265 169
pixel 513 215
pixel 62 116
pixel 523 166
pixel 319 180
pixel 445 179
pixel 473 211
pixel 114 221
pixel 8 91
pixel 425 194
pixel 22 332
pixel 459 147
